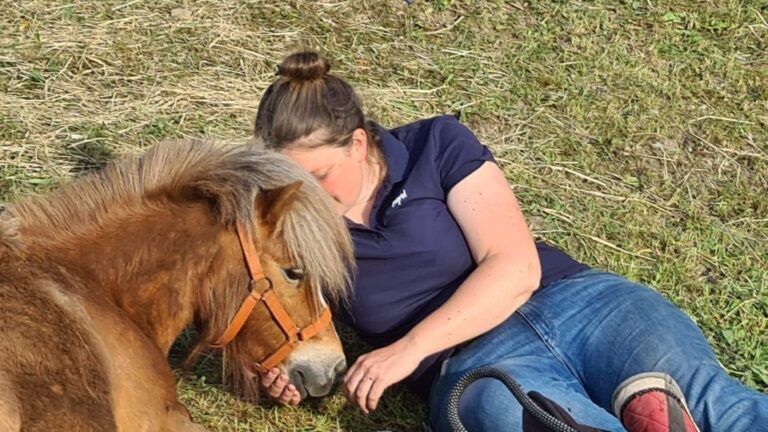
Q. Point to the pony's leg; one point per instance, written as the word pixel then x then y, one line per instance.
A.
pixel 10 412
pixel 143 388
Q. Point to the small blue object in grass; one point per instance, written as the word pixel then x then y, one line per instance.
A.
pixel 408 2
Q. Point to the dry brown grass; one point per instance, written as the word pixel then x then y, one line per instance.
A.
pixel 636 133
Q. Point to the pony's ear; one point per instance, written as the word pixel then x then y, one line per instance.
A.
pixel 272 204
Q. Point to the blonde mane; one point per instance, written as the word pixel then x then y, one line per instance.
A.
pixel 229 177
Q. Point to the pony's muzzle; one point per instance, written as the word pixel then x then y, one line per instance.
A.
pixel 316 378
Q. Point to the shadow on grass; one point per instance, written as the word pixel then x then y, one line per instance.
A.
pixel 89 156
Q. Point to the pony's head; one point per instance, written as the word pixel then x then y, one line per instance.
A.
pixel 294 255
pixel 236 239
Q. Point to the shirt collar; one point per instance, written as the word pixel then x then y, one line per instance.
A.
pixel 396 156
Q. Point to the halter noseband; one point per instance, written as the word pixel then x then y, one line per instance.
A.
pixel 260 288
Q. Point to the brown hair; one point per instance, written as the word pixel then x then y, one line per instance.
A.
pixel 306 99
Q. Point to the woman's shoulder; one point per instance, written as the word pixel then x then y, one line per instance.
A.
pixel 434 130
pixel 427 124
pixel 440 145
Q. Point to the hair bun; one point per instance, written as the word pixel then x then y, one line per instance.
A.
pixel 304 66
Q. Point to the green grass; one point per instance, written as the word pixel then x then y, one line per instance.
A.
pixel 635 132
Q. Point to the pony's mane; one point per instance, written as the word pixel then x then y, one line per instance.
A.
pixel 9 236
pixel 229 177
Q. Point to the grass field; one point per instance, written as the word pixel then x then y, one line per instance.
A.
pixel 635 132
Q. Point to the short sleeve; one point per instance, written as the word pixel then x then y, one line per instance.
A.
pixel 458 152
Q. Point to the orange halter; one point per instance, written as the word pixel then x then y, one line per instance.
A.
pixel 293 334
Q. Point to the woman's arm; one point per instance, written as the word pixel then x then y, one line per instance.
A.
pixel 508 272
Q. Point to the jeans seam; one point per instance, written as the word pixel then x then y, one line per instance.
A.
pixel 555 352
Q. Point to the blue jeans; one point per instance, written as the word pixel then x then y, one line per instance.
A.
pixel 575 341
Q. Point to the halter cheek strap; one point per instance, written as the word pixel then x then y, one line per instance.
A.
pixel 261 291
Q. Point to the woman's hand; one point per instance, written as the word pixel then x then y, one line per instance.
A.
pixel 277 387
pixel 375 371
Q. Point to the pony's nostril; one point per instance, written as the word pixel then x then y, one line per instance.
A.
pixel 340 367
pixel 298 379
pixel 316 380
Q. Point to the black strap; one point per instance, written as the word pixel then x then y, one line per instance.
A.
pixel 539 413
pixel 533 424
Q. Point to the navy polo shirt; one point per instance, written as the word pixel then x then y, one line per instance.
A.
pixel 414 255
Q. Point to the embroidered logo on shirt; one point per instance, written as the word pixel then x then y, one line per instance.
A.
pixel 400 198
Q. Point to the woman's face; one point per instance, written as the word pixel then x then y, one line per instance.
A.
pixel 341 171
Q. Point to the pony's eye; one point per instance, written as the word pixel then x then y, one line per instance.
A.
pixel 293 275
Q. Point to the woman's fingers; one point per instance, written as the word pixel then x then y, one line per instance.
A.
pixel 269 378
pixel 278 386
pixel 290 396
pixel 279 389
pixel 353 378
pixel 296 398
pixel 362 391
pixel 374 395
pixel 287 395
pixel 359 382
pixel 372 373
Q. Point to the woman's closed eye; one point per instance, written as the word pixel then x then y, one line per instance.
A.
pixel 321 173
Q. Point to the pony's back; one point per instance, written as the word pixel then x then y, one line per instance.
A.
pixel 51 378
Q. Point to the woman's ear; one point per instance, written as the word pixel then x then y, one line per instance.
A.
pixel 360 144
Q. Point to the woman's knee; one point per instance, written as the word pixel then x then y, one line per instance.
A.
pixel 488 405
pixel 720 402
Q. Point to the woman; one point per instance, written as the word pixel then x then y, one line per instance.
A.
pixel 449 279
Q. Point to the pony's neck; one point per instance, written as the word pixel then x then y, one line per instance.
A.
pixel 154 267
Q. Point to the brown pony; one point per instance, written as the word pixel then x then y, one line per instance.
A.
pixel 99 279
